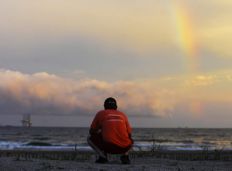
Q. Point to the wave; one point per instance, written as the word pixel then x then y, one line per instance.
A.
pixel 38 143
pixel 161 141
pixel 41 138
pixel 138 146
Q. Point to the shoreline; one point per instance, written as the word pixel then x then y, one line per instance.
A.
pixel 201 155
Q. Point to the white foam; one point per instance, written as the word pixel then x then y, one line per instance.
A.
pixel 138 146
pixel 9 145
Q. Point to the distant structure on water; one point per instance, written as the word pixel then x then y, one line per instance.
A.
pixel 26 121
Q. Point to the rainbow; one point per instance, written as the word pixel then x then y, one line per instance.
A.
pixel 186 38
pixel 185 35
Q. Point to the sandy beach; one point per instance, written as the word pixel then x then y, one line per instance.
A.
pixel 139 164
pixel 142 163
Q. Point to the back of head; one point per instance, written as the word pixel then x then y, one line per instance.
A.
pixel 110 103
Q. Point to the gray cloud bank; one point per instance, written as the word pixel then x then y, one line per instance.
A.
pixel 47 94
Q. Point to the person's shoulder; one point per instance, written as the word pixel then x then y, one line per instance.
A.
pixel 121 113
pixel 100 112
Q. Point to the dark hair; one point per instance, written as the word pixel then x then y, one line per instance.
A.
pixel 110 103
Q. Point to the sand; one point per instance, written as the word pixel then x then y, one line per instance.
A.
pixel 137 164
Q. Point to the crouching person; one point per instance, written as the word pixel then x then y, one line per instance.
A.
pixel 110 132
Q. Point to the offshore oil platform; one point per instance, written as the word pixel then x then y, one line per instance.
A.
pixel 26 121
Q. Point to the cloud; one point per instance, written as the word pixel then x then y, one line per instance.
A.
pixel 45 94
pixel 134 25
pixel 213 37
pixel 143 26
pixel 201 81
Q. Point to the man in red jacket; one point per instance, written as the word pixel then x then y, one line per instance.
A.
pixel 110 132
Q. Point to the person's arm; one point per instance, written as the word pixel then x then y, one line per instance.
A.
pixel 95 126
pixel 93 131
pixel 129 129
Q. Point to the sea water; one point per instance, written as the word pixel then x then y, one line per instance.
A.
pixel 145 139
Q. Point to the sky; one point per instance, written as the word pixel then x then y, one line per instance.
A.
pixel 167 62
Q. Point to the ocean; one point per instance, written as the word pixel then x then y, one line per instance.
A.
pixel 60 138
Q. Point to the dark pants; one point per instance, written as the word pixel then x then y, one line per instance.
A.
pixel 106 147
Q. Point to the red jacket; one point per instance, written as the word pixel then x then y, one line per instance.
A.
pixel 114 127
